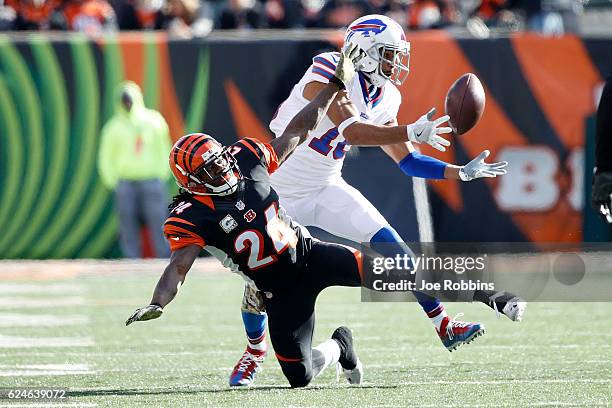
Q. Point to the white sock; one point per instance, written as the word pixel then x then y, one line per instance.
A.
pixel 259 346
pixel 259 343
pixel 324 355
pixel 437 320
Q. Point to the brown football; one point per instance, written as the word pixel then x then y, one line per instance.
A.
pixel 465 103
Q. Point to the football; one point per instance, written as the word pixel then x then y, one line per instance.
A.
pixel 465 103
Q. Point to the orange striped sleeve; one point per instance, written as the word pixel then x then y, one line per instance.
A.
pixel 248 143
pixel 180 237
pixel 271 157
pixel 263 151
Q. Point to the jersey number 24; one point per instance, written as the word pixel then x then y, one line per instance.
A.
pixel 280 233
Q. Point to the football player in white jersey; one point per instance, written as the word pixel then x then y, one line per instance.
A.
pixel 310 183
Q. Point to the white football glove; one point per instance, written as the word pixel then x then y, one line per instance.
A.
pixel 425 130
pixel 345 70
pixel 477 168
pixel 145 313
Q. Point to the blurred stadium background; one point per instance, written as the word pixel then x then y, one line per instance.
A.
pixel 223 67
pixel 57 92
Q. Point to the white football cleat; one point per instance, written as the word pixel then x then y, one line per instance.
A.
pixel 511 305
pixel 354 376
pixel 515 309
pixel 348 358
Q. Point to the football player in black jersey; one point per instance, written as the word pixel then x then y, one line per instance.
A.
pixel 227 206
pixel 601 197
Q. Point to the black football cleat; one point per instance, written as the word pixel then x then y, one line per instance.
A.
pixel 350 363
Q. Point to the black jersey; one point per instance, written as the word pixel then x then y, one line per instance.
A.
pixel 247 231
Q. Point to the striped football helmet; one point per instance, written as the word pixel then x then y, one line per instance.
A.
pixel 384 51
pixel 202 166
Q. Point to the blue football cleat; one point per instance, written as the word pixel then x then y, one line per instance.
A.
pixel 454 333
pixel 246 368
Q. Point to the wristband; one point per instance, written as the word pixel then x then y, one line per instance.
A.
pixel 334 80
pixel 346 123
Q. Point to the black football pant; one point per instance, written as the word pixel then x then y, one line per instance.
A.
pixel 290 311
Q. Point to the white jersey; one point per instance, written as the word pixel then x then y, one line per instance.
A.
pixel 318 161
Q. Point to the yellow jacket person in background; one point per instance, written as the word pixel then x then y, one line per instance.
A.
pixel 132 161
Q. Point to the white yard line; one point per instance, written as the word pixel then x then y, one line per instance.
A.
pixel 546 363
pixel 74 367
pixel 480 347
pixel 33 288
pixel 500 382
pixel 24 302
pixel 16 342
pixel 42 373
pixel 29 271
pixel 27 320
pixel 50 405
pixel 537 404
pixel 36 370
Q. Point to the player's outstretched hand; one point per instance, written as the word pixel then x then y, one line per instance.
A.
pixel 477 168
pixel 144 313
pixel 601 196
pixel 345 70
pixel 427 131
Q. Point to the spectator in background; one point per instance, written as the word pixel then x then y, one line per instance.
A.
pixel 395 9
pixel 424 14
pixel 492 13
pixel 187 18
pixel 139 14
pixel 340 13
pixel 548 20
pixel 242 14
pixel 7 17
pixel 531 11
pixel 285 13
pixel 132 161
pixel 92 17
pixel 379 6
pixel 36 15
pixel 489 10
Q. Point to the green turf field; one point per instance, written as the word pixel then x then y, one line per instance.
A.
pixel 68 331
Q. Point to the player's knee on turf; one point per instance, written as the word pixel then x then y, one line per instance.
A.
pixel 299 374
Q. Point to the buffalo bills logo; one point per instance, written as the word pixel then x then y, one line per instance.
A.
pixel 367 28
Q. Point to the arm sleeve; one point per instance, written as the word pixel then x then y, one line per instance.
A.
pixel 420 165
pixel 263 151
pixel 181 233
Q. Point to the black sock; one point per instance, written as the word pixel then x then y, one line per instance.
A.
pixel 484 296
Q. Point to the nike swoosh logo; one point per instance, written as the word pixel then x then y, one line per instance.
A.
pixel 175 238
pixel 419 134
